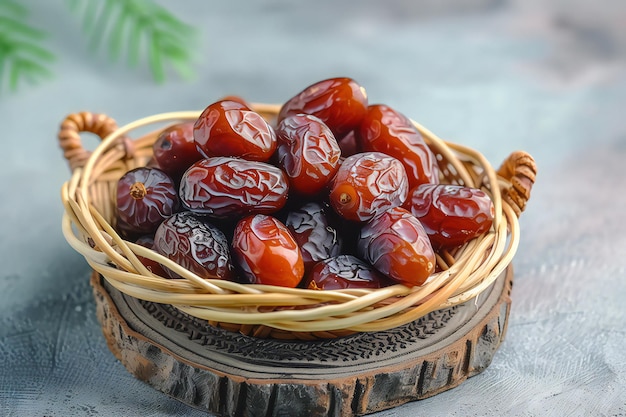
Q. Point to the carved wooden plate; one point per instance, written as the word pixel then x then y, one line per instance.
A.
pixel 231 374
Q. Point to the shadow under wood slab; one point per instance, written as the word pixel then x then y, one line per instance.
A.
pixel 231 374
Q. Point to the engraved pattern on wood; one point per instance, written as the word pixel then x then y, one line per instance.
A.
pixel 330 384
pixel 353 348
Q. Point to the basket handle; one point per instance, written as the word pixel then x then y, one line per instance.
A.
pixel 77 123
pixel 520 170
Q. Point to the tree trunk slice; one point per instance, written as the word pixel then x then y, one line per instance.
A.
pixel 231 374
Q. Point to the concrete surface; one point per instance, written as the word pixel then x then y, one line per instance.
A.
pixel 497 75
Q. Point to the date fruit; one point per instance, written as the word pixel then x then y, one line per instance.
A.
pixel 342 272
pixel 385 130
pixel 145 197
pixel 367 184
pixel 224 187
pixel 307 152
pixel 266 252
pixel 175 149
pixel 341 103
pixel 230 128
pixel 195 245
pixel 312 230
pixel 397 245
pixel 451 214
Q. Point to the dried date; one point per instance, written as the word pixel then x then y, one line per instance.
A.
pixel 451 214
pixel 307 152
pixel 224 187
pixel 343 272
pixel 397 245
pixel 266 252
pixel 385 130
pixel 341 103
pixel 367 184
pixel 230 128
pixel 194 244
pixel 314 232
pixel 145 197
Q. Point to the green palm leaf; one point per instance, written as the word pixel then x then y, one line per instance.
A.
pixel 140 30
pixel 23 56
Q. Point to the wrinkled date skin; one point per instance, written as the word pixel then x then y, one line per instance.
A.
pixel 385 130
pixel 312 230
pixel 266 252
pixel 224 187
pixel 307 152
pixel 397 245
pixel 367 184
pixel 145 197
pixel 451 214
pixel 342 272
pixel 341 103
pixel 175 149
pixel 195 245
pixel 230 128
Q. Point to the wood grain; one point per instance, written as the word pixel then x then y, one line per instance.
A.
pixel 231 374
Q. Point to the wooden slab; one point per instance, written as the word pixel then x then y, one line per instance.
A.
pixel 231 374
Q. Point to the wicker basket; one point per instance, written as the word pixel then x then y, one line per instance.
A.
pixel 268 311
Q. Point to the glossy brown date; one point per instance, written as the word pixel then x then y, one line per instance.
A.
pixel 385 130
pixel 341 103
pixel 224 187
pixel 307 152
pixel 367 184
pixel 397 245
pixel 451 214
pixel 194 244
pixel 230 128
pixel 266 252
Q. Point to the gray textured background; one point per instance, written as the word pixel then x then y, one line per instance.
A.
pixel 544 76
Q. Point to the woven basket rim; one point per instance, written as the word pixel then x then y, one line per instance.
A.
pixel 476 264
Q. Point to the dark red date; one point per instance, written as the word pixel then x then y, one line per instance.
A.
pixel 145 197
pixel 341 103
pixel 175 149
pixel 224 187
pixel 367 184
pixel 397 245
pixel 451 214
pixel 230 128
pixel 314 233
pixel 385 130
pixel 266 252
pixel 342 272
pixel 195 245
pixel 307 152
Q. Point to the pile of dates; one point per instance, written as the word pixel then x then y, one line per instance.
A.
pixel 336 193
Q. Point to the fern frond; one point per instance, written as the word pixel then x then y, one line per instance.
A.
pixel 139 30
pixel 23 56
